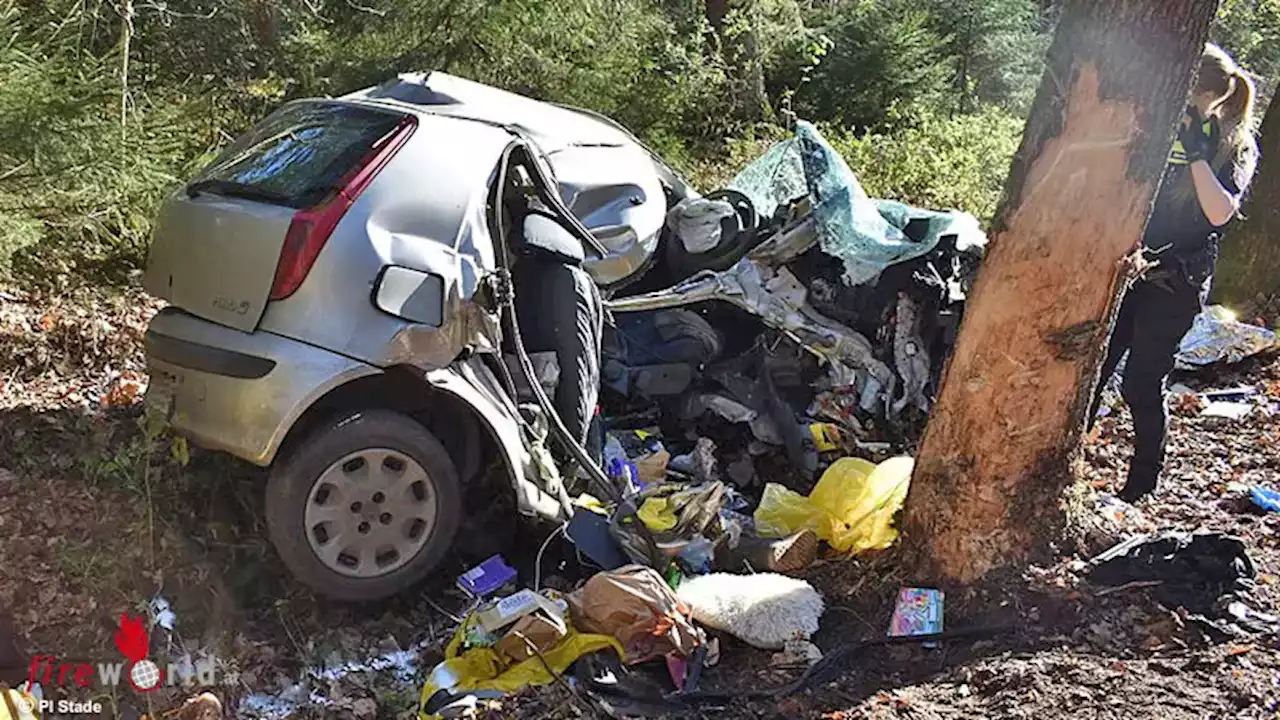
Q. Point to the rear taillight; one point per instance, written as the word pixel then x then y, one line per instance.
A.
pixel 311 227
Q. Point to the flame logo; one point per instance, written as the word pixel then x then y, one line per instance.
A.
pixel 131 638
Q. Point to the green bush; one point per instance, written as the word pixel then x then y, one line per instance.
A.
pixel 80 186
pixel 935 161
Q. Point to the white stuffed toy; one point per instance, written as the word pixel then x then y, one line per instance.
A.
pixel 765 610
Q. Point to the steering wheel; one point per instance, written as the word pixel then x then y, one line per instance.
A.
pixel 737 238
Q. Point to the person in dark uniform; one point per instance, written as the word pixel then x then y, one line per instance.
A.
pixel 1209 168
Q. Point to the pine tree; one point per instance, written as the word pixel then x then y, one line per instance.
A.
pixel 996 49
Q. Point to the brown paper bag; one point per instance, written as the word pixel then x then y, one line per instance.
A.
pixel 635 605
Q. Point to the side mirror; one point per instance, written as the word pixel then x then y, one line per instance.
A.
pixel 411 294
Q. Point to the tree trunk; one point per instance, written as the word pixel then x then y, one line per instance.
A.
pixel 998 450
pixel 740 50
pixel 716 12
pixel 1250 262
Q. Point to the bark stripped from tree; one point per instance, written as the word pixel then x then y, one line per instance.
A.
pixel 1249 269
pixel 998 450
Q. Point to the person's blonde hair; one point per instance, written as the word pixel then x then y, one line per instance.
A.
pixel 1221 75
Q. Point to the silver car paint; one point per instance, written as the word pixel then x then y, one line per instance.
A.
pixel 248 418
pixel 223 265
pixel 609 181
pixel 472 383
pixel 438 227
pixel 425 211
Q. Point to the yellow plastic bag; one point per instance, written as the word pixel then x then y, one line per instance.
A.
pixel 657 514
pixel 851 507
pixel 481 668
pixel 17 701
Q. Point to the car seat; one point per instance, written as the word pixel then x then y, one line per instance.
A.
pixel 559 310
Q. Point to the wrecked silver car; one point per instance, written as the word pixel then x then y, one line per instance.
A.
pixel 426 302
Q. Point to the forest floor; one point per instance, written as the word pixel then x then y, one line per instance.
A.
pixel 100 515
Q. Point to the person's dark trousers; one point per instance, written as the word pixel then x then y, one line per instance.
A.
pixel 1152 321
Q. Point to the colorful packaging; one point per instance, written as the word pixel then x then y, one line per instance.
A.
pixel 917 612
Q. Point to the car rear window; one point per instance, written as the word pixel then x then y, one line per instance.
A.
pixel 300 152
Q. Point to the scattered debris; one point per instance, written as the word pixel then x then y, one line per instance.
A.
pixel 851 508
pixel 763 610
pixel 797 652
pixel 699 464
pixel 205 706
pixel 917 611
pixel 634 605
pixel 487 578
pixel 1265 498
pixel 519 641
pixel 1192 569
pixel 788 555
pixel 1216 336
pixel 1229 410
pixel 1117 511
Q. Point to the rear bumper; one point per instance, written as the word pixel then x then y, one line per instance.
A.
pixel 234 391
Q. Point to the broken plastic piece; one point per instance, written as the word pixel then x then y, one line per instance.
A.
pixel 589 532
pixel 1265 498
pixel 826 436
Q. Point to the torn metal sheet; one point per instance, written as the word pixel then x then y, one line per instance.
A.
pixel 910 357
pixel 747 285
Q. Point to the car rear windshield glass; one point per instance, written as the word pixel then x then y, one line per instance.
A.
pixel 300 152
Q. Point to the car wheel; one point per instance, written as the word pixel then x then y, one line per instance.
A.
pixel 365 506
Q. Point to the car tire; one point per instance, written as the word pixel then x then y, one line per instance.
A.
pixel 295 487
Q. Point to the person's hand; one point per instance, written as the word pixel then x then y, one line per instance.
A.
pixel 1140 261
pixel 1197 144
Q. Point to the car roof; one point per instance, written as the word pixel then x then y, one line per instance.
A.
pixel 437 93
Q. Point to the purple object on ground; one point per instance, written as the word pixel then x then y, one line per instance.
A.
pixel 487 577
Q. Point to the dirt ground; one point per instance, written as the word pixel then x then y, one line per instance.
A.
pixel 100 513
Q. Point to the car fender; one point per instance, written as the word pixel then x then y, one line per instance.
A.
pixel 470 382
